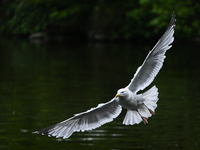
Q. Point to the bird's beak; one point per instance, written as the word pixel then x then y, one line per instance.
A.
pixel 117 95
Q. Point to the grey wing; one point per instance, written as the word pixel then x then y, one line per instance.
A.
pixel 146 73
pixel 88 120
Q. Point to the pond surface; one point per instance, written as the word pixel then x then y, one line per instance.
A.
pixel 47 82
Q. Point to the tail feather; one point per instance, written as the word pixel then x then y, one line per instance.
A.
pixel 151 98
pixel 132 117
pixel 144 111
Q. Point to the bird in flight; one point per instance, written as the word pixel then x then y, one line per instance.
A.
pixel 139 106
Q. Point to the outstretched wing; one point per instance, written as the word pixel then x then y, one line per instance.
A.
pixel 146 73
pixel 91 119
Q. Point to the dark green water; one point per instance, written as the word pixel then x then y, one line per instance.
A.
pixel 44 83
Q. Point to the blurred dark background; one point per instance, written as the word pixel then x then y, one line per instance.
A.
pixel 98 19
pixel 79 54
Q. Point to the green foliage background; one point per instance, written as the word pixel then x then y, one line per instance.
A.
pixel 123 19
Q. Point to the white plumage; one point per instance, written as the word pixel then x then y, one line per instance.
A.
pixel 139 106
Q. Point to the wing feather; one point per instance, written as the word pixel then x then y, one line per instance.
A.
pixel 146 73
pixel 84 121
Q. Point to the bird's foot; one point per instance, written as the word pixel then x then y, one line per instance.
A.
pixel 151 111
pixel 144 120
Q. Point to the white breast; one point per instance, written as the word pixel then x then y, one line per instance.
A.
pixel 131 102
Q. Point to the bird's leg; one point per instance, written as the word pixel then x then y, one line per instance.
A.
pixel 144 119
pixel 151 111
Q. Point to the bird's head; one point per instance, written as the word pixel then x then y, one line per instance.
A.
pixel 122 93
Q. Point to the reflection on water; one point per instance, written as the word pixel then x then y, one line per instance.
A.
pixel 45 83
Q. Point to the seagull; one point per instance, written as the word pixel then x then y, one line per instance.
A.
pixel 139 106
